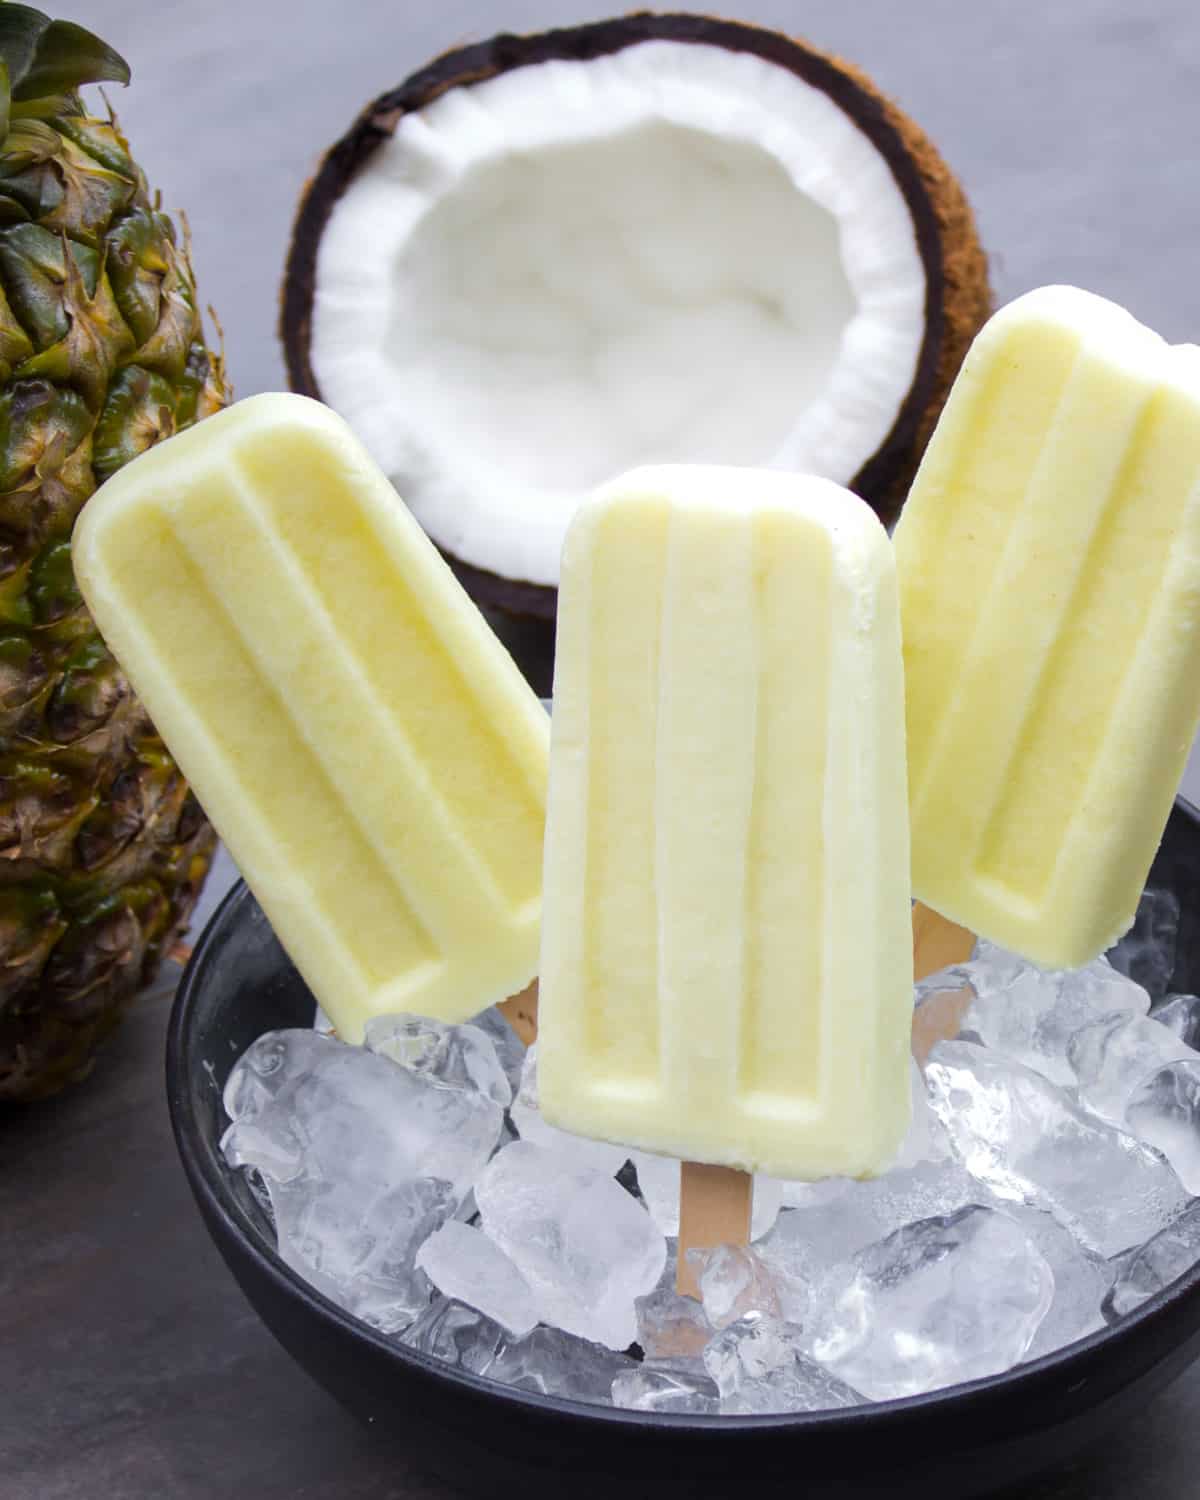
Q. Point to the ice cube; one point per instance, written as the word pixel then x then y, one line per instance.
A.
pixel 996 966
pixel 363 1160
pixel 584 1245
pixel 457 1334
pixel 456 1057
pixel 734 1283
pixel 527 1117
pixel 333 1111
pixel 1164 1111
pixel 670 1326
pixel 268 1066
pixel 1030 1142
pixel 547 1361
pixel 510 1049
pixel 1113 1055
pixel 555 1363
pixel 358 1247
pixel 658 1183
pixel 748 1349
pixel 926 1139
pixel 1096 990
pixel 1180 1014
pixel 809 1241
pixel 806 1242
pixel 758 1366
pixel 667 1385
pixel 1147 951
pixel 465 1264
pixel 1030 1014
pixel 269 1150
pixel 1081 1281
pixel 936 1303
pixel 930 1190
pixel 1155 1265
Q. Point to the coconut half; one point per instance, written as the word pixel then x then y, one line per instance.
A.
pixel 547 259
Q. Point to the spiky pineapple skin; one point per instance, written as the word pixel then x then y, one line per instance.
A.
pixel 103 849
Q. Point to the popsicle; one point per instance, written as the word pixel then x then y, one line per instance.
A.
pixel 726 953
pixel 1049 564
pixel 364 745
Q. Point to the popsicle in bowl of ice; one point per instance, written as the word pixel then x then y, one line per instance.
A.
pixel 364 745
pixel 1049 566
pixel 727 953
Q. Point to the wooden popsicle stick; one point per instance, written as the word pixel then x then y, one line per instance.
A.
pixel 521 1013
pixel 715 1204
pixel 937 942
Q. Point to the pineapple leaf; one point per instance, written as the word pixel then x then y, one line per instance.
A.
pixel 50 57
pixel 5 98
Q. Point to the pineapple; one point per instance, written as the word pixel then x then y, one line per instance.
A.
pixel 102 846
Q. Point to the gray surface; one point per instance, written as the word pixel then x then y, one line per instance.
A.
pixel 130 1365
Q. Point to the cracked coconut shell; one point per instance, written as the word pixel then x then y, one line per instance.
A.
pixel 544 259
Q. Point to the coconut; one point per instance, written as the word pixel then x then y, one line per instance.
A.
pixel 546 259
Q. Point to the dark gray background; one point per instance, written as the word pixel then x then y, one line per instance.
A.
pixel 130 1366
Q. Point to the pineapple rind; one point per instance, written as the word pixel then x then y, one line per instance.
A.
pixel 103 849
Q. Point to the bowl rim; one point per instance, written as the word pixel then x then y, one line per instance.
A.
pixel 211 1188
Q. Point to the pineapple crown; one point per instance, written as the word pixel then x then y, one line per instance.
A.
pixel 43 61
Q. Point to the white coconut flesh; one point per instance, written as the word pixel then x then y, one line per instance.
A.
pixel 674 253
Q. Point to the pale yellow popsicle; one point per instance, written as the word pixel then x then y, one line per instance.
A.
pixel 1049 561
pixel 362 742
pixel 727 951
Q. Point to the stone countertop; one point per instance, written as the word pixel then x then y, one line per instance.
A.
pixel 130 1364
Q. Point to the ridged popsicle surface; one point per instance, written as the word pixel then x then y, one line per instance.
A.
pixel 1049 562
pixel 363 744
pixel 726 961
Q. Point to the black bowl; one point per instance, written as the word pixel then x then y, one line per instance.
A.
pixel 962 1442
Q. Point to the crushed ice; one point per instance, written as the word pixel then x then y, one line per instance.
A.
pixel 1044 1187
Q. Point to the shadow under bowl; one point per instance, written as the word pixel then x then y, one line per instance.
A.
pixel 965 1441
